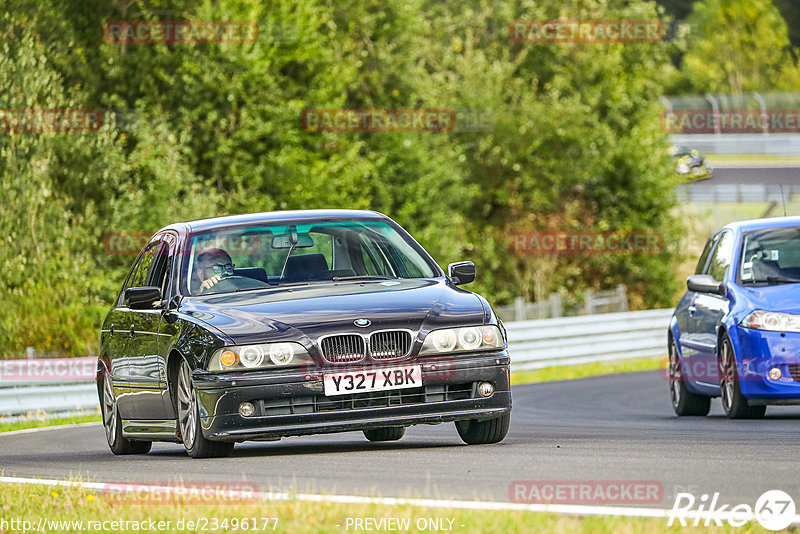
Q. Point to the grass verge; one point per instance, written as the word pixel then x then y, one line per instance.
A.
pixel 37 421
pixel 549 374
pixel 90 511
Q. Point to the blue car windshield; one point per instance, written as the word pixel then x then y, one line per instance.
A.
pixel 771 256
pixel 225 260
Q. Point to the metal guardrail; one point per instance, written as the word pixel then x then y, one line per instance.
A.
pixel 47 398
pixel 587 338
pixel 532 344
pixel 767 144
pixel 47 385
pixel 736 193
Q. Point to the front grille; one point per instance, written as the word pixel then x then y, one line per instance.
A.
pixel 388 345
pixel 376 399
pixel 343 349
pixel 794 371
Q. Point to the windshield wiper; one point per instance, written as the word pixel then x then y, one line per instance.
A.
pixel 773 280
pixel 363 277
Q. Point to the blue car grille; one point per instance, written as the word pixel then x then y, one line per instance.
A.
pixel 794 371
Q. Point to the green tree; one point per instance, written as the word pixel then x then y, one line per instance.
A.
pixel 737 46
pixel 576 146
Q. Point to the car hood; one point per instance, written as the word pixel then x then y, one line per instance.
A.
pixel 779 297
pixel 313 310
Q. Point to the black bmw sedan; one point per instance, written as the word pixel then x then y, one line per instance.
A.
pixel 260 326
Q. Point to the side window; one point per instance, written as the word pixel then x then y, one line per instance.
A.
pixel 145 265
pixel 701 263
pixel 159 268
pixel 722 256
pixel 129 281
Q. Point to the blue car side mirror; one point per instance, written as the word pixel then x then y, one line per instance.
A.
pixel 705 283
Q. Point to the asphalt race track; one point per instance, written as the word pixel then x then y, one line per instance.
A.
pixel 789 175
pixel 618 427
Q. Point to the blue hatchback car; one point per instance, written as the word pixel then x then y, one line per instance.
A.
pixel 735 333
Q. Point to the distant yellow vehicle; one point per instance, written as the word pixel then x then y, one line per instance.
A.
pixel 693 165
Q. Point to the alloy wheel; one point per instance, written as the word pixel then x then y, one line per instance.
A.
pixel 675 376
pixel 109 411
pixel 186 407
pixel 726 368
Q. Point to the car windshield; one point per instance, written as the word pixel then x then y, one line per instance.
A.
pixel 771 256
pixel 225 260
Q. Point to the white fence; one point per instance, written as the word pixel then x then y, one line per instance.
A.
pixel 604 301
pixel 532 345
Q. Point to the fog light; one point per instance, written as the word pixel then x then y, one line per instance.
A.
pixel 775 373
pixel 246 409
pixel 485 389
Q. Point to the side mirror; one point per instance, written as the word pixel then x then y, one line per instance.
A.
pixel 142 298
pixel 705 283
pixel 462 272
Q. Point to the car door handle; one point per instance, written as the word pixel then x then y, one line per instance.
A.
pixel 692 309
pixel 133 327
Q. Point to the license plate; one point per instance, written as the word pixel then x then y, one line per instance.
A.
pixel 365 380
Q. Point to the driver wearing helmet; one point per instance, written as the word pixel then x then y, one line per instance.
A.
pixel 212 265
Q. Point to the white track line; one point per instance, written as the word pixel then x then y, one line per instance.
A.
pixel 567 509
pixel 42 428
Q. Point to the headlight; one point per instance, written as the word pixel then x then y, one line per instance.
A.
pixel 470 338
pixel 264 356
pixel 772 321
pixel 683 168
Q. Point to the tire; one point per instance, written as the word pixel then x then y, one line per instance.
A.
pixel 474 432
pixel 191 433
pixel 385 434
pixel 733 402
pixel 684 402
pixel 112 424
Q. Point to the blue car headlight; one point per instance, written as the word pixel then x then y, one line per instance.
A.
pixel 468 339
pixel 263 356
pixel 772 321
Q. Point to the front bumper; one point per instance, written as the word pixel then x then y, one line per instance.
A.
pixel 292 402
pixel 760 351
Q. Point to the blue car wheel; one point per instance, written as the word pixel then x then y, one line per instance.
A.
pixel 733 402
pixel 684 402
